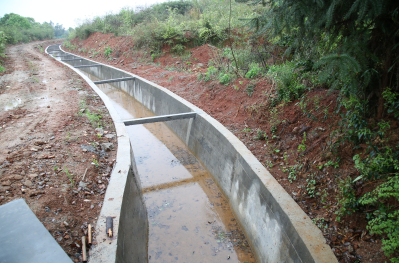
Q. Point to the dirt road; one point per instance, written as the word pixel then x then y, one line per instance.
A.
pixel 52 153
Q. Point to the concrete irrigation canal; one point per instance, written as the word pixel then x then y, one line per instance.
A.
pixel 185 189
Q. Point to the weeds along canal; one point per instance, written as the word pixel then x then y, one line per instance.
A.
pixel 189 218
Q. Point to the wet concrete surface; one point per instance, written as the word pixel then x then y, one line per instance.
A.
pixel 189 218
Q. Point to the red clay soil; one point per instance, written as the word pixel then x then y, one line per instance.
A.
pixel 289 158
pixel 50 152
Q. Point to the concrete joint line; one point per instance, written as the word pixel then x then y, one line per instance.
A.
pixel 112 80
pixel 171 117
pixel 87 66
pixel 71 59
pixel 190 123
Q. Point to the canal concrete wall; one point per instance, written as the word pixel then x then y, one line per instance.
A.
pixel 123 200
pixel 277 228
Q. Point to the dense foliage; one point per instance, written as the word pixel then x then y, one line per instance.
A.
pixel 24 29
pixel 175 23
pixel 16 29
pixel 353 43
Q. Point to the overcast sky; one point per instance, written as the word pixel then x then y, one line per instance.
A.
pixel 70 12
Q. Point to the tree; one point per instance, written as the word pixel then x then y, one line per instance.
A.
pixel 59 31
pixel 18 21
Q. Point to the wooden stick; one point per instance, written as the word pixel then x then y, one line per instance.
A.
pixel 84 175
pixel 89 235
pixel 110 226
pixel 84 255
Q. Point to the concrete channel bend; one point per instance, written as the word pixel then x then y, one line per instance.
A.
pixel 276 227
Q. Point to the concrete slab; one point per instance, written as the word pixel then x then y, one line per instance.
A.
pixel 24 239
pixel 162 118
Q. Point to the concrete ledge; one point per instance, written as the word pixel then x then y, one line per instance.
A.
pixel 123 200
pixel 23 238
pixel 162 118
pixel 275 225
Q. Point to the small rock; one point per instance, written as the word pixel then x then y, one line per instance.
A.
pixel 66 236
pixel 6 183
pixel 17 177
pixel 4 188
pixel 28 183
pixel 200 65
pixel 59 239
pixel 32 176
pixel 110 136
pixel 83 185
pixel 82 110
pixel 107 146
pixel 99 131
pixel 39 143
pixel 52 138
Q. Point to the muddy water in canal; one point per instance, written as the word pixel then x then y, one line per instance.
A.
pixel 189 218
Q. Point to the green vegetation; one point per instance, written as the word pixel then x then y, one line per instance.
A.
pixel 94 118
pixel 3 40
pixel 107 51
pixel 16 29
pixel 70 176
pixel 24 29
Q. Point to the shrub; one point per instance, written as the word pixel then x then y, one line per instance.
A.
pixel 224 78
pixel 211 71
pixel 287 82
pixel 108 51
pixel 254 71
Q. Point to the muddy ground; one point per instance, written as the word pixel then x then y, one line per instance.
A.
pixel 243 106
pixel 57 144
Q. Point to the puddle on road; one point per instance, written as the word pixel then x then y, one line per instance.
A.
pixel 12 104
pixel 189 218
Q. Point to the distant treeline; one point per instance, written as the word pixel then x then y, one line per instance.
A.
pixel 16 29
pixel 19 29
